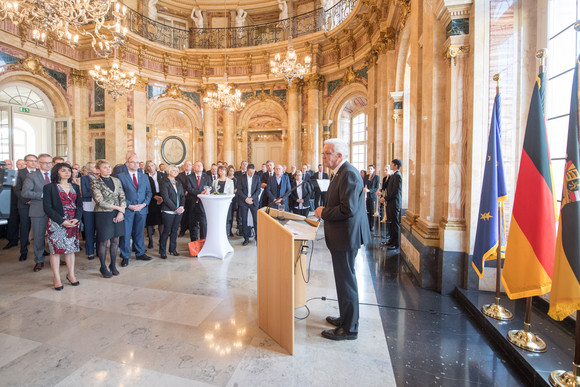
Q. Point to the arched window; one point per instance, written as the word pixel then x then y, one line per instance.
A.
pixel 358 156
pixel 22 96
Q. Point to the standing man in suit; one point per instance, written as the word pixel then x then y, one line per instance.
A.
pixel 319 196
pixel 32 190
pixel 182 178
pixel 213 172
pixel 237 174
pixel 393 199
pixel 248 200
pixel 278 185
pixel 197 183
pixel 345 229
pixel 371 183
pixel 138 195
pixel 24 204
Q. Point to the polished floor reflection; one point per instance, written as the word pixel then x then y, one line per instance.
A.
pixel 181 321
pixel 430 337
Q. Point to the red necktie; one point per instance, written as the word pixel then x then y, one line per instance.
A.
pixel 198 181
pixel 46 179
pixel 135 181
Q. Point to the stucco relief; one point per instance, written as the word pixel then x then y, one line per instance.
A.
pixel 265 120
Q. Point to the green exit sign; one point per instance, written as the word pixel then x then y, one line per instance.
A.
pixel 25 110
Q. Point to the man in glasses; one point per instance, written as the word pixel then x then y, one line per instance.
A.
pixel 346 228
pixel 31 163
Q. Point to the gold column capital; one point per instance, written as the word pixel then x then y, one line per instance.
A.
pixel 141 83
pixel 315 81
pixel 78 77
pixel 454 51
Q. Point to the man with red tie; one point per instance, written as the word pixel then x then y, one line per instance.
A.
pixel 197 183
pixel 138 195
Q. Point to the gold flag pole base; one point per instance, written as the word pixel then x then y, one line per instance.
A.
pixel 561 378
pixel 497 311
pixel 527 340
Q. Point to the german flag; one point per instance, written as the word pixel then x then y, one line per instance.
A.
pixel 531 243
pixel 565 297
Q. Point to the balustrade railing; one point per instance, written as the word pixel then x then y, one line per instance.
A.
pixel 247 36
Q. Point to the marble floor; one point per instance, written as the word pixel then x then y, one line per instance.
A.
pixel 178 322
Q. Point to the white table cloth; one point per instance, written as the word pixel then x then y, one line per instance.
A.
pixel 216 213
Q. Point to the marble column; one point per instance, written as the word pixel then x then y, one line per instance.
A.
pixel 209 136
pixel 80 112
pixel 396 147
pixel 293 131
pixel 371 110
pixel 140 119
pixel 311 153
pixel 229 134
pixel 115 129
pixel 452 224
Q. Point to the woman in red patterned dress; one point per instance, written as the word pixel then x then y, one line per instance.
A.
pixel 63 206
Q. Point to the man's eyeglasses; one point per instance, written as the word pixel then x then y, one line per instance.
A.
pixel 328 153
pixel 31 160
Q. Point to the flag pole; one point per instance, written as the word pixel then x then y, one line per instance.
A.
pixel 523 338
pixel 561 377
pixel 495 310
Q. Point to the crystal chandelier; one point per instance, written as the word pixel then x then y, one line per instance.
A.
pixel 116 82
pixel 225 97
pixel 289 68
pixel 65 20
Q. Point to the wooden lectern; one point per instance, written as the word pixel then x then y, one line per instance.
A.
pixel 281 285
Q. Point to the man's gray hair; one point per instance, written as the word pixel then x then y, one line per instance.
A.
pixel 340 146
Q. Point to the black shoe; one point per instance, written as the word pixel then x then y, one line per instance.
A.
pixel 333 321
pixel 143 257
pixel 106 273
pixel 174 253
pixel 58 288
pixel 22 257
pixel 245 243
pixel 72 283
pixel 38 267
pixel 125 262
pixel 163 255
pixel 150 245
pixel 91 257
pixel 392 247
pixel 339 334
pixel 10 245
pixel 114 270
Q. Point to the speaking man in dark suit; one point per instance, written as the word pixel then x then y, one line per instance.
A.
pixel 346 228
pixel 197 183
pixel 138 195
pixel 24 204
pixel 248 192
pixel 393 199
pixel 182 178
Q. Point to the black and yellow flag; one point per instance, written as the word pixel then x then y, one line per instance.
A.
pixel 565 297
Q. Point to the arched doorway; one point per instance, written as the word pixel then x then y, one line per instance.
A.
pixel 353 128
pixel 28 124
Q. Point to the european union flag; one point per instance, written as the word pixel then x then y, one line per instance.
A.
pixel 493 194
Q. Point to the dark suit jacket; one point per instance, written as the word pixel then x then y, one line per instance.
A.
pixel 242 192
pixel 170 196
pixel 134 195
pixel 307 194
pixel 346 226
pixel 20 177
pixel 314 180
pixel 53 205
pixel 86 193
pixel 274 193
pixel 394 188
pixel 119 169
pixel 372 185
pixel 193 189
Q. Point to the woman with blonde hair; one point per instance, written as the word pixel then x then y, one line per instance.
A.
pixel 172 208
pixel 110 207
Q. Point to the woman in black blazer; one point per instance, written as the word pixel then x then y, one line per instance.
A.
pixel 63 206
pixel 172 207
pixel 300 197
